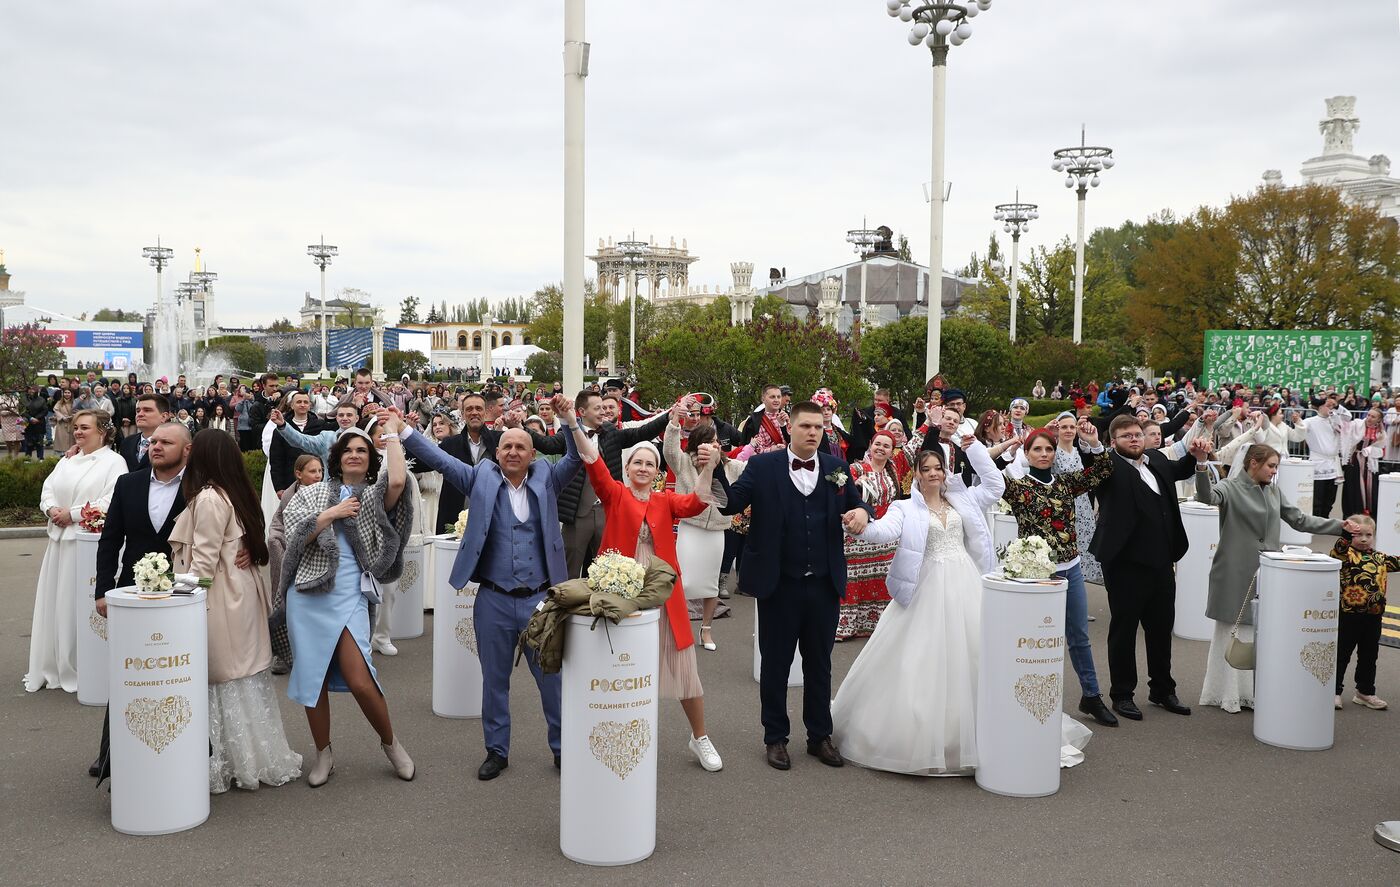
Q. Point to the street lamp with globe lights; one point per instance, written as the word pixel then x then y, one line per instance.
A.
pixel 321 254
pixel 1081 165
pixel 204 279
pixel 1016 220
pixel 635 255
pixel 937 26
pixel 864 240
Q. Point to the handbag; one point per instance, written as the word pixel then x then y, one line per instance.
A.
pixel 1240 654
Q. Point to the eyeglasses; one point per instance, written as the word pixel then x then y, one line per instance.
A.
pixel 1130 436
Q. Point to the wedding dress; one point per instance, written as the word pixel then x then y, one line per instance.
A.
pixel 908 704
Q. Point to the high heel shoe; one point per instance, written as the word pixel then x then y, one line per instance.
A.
pixel 321 771
pixel 403 764
pixel 710 644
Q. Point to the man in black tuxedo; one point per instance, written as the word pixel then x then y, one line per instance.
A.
pixel 473 445
pixel 1139 539
pixel 863 421
pixel 151 411
pixel 795 566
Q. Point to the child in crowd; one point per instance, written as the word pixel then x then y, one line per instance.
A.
pixel 1363 577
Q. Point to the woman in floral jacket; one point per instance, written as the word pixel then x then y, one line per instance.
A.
pixel 1043 505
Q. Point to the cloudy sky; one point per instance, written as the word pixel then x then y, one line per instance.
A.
pixel 425 138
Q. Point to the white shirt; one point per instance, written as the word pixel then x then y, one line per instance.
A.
pixel 161 498
pixel 519 499
pixel 804 480
pixel 478 448
pixel 1140 463
pixel 1324 443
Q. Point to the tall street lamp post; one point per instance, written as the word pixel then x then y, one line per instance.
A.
pixel 937 26
pixel 635 254
pixel 575 70
pixel 1016 219
pixel 321 254
pixel 1081 165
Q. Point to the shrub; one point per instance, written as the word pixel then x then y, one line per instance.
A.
pixel 255 462
pixel 22 481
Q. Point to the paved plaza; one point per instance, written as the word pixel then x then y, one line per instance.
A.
pixel 1170 800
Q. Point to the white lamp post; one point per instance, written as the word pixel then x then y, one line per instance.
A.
pixel 937 26
pixel 635 254
pixel 1081 166
pixel 1016 220
pixel 321 254
pixel 575 70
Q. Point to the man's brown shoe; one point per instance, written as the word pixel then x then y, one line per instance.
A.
pixel 825 752
pixel 778 756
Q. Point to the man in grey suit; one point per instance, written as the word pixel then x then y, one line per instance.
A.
pixel 513 549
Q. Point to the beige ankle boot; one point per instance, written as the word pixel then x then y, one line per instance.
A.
pixel 322 769
pixel 403 764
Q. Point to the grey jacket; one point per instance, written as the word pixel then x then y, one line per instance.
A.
pixel 1249 524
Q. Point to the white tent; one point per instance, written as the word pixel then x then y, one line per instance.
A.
pixel 510 359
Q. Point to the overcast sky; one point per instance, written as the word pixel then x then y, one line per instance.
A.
pixel 425 139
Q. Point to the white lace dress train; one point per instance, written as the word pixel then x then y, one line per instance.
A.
pixel 246 737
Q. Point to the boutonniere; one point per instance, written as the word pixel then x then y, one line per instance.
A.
pixel 838 478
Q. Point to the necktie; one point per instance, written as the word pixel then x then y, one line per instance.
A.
pixel 799 465
pixel 141 448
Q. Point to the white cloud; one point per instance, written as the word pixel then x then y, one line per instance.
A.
pixel 425 138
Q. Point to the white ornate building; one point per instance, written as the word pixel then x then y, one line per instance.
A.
pixel 628 263
pixel 1361 179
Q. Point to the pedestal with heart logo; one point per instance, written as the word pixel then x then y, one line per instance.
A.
pixel 456 668
pixel 1202 524
pixel 406 615
pixel 1004 530
pixel 159 689
pixel 92 626
pixel 1295 484
pixel 1020 686
pixel 608 736
pixel 794 673
pixel 1295 653
pixel 1388 540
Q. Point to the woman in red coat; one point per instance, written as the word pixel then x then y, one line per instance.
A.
pixel 638 523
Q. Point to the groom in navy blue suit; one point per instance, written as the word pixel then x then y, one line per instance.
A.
pixel 795 565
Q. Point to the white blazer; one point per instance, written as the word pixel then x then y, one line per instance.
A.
pixel 907 522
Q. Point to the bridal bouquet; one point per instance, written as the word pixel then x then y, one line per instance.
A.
pixel 460 528
pixel 91 519
pixel 155 576
pixel 1028 558
pixel 614 573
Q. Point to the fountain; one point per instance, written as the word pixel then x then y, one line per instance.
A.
pixel 165 349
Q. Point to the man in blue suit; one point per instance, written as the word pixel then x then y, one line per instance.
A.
pixel 794 564
pixel 513 549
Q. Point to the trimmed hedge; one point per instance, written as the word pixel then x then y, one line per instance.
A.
pixel 22 480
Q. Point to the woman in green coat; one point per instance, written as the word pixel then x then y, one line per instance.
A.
pixel 1250 508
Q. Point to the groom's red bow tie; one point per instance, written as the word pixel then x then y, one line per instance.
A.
pixel 799 465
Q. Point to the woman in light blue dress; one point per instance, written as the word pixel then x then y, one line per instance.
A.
pixel 345 536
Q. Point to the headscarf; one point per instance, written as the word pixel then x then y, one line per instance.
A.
pixel 644 445
pixel 1022 401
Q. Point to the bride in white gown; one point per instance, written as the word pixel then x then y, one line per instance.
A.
pixel 908 704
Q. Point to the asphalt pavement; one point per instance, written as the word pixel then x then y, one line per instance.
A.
pixel 1170 800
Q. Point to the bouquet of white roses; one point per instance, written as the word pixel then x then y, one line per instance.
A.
pixel 614 573
pixel 154 575
pixel 460 527
pixel 1028 558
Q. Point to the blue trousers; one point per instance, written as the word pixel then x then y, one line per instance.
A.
pixel 1081 654
pixel 499 619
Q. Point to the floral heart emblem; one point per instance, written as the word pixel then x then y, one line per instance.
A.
pixel 1321 659
pixel 98 623
pixel 466 633
pixel 620 746
pixel 1304 503
pixel 1038 694
pixel 409 576
pixel 158 722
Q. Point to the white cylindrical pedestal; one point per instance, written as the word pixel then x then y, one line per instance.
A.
pixel 1202 524
pixel 92 626
pixel 1004 531
pixel 1295 652
pixel 159 666
pixel 406 616
pixel 1295 483
pixel 456 668
pixel 608 739
pixel 794 673
pixel 1388 539
pixel 1020 686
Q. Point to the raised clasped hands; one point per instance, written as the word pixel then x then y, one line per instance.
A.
pixel 1089 432
pixel 276 418
pixel 855 521
pixel 391 421
pixel 563 408
pixel 1200 448
pixel 707 456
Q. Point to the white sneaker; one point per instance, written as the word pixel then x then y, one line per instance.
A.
pixel 1337 703
pixel 704 749
pixel 385 647
pixel 1373 701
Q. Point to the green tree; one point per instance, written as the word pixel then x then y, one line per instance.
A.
pixel 281 325
pixel 396 363
pixel 973 356
pixel 904 252
pixel 117 315
pixel 734 362
pixel 25 352
pixel 1051 359
pixel 546 327
pixel 433 316
pixel 1278 258
pixel 408 310
pixel 545 366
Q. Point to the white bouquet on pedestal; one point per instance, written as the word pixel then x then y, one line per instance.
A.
pixel 1028 558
